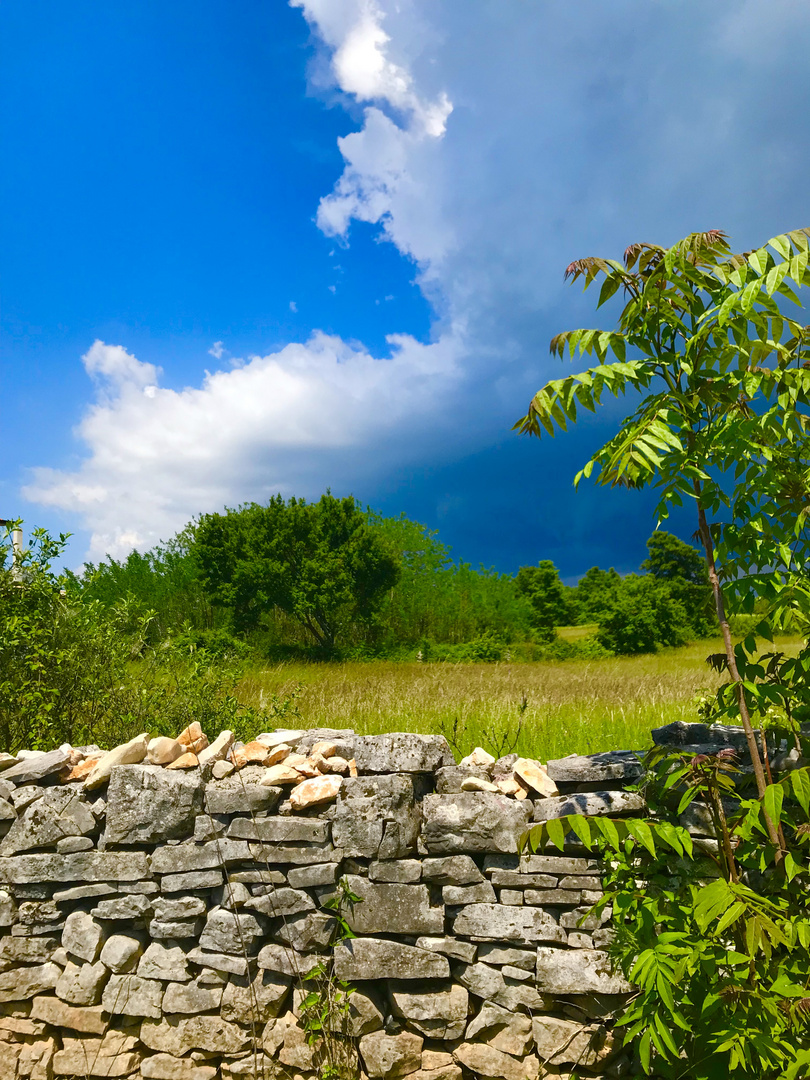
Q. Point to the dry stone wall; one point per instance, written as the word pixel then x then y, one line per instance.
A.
pixel 161 905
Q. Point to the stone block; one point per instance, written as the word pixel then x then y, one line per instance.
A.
pixel 166 962
pixel 451 870
pixel 297 854
pixel 181 907
pixel 235 796
pixel 311 932
pixel 178 929
pixel 85 866
pixel 473 822
pixel 121 953
pixel 123 908
pixel 131 995
pixel 563 1042
pixel 457 895
pixel 280 830
pixel 498 955
pixel 367 958
pixel 589 803
pixel 177 1035
pixel 147 805
pixel 386 906
pixel 281 902
pixel 81 984
pixel 486 1062
pixel 514 879
pixel 400 871
pixel 193 879
pixel 509 1032
pixel 490 984
pixel 437 1010
pixel 60 812
pixel 32 769
pixel 183 858
pixel 218 962
pixel 130 753
pixel 23 983
pixel 231 932
pixel 366 1012
pixel 621 765
pixel 495 922
pixel 83 936
pixel 166 1067
pixel 391 1056
pixel 286 961
pixel 448 946
pixel 578 971
pixel 56 1013
pixel 190 997
pixel 28 950
pixel 305 877
pixel 266 992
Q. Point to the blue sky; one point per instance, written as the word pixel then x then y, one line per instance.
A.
pixel 254 247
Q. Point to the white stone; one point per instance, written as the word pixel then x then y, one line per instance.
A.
pixel 163 750
pixel 313 792
pixel 129 753
pixel 166 1067
pixel 479 757
pixel 218 750
pixel 83 936
pixel 475 783
pixel 222 769
pixel 535 776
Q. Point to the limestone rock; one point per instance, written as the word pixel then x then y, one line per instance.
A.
pixel 59 813
pixel 451 870
pixel 164 962
pixel 321 789
pixel 27 950
pixel 280 830
pixel 287 961
pixel 367 958
pixel 620 765
pixel 434 1009
pixel 231 932
pixel 267 991
pixel 366 1013
pixel 218 750
pixel 402 753
pixel 193 738
pixel 178 1035
pixel 218 962
pixel 254 753
pixel 497 922
pixel 475 783
pixel 244 798
pixel 182 907
pixel 391 1056
pixel 163 750
pixel 384 906
pixel 86 866
pixel 376 816
pixel 192 879
pixel 590 803
pixel 221 769
pixel 472 822
pixel 185 857
pixel 130 995
pixel 499 955
pixel 280 775
pixel 23 983
pixel 190 997
pixel 109 1056
pixel 396 871
pixel 304 877
pixel 491 1064
pixel 166 1067
pixel 563 1042
pixel 509 1032
pixel 56 1013
pixel 448 946
pixel 311 932
pixel 30 770
pixel 489 984
pixel 83 936
pixel 146 805
pixel 129 753
pixel 121 953
pixel 535 776
pixel 276 738
pixel 188 760
pixel 456 895
pixel 480 757
pixel 281 902
pixel 123 908
pixel 81 984
pixel 578 971
pixel 68 845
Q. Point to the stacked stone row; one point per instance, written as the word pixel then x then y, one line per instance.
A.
pixel 162 926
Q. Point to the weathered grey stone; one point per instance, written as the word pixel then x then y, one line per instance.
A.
pixel 297 854
pixel 384 907
pixel 509 1032
pixel 182 858
pixel 451 870
pixel 592 768
pixel 494 922
pixel 147 804
pixel 23 983
pixel 307 933
pixel 456 895
pixel 540 864
pixel 81 892
pixel 561 1042
pixel 135 906
pixel 280 830
pixel 391 1056
pixel 177 929
pixel 130 995
pixel 181 907
pixel 448 946
pixel 437 1010
pixel 449 780
pixel 86 866
pixel 219 962
pixel 367 958
pixel 111 1055
pixel 248 1002
pixel 281 902
pixel 81 984
pixel 498 955
pixel 473 821
pixel 166 1067
pixel 305 877
pixel 490 1064
pixel 578 971
pixel 177 1035
pixel 263 876
pixel 190 997
pixel 28 950
pixel 38 917
pixel 590 803
pixel 402 752
pixel 553 897
pixel 56 1013
pixel 236 797
pixel 61 812
pixel 490 984
pixel 399 871
pixel 69 845
pixel 358 827
pixel 8 908
pixel 366 1012
pixel 581 919
pixel 382 820
pixel 83 936
pixel 287 961
pixel 164 962
pixel 515 879
pixel 231 932
pixel 193 879
pixel 121 953
pixel 30 770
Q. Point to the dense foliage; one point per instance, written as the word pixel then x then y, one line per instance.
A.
pixel 717 948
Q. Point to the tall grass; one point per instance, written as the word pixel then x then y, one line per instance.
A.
pixel 566 706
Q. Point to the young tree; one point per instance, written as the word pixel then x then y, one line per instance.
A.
pixel 597 593
pixel 547 595
pixel 320 563
pixel 683 569
pixel 724 421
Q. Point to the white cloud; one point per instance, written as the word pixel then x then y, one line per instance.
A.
pixel 217 350
pixel 293 421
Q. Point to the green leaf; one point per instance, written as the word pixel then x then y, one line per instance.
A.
pixel 556 832
pixel 642 832
pixel 581 826
pixel 772 802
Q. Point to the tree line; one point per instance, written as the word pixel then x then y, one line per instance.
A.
pixel 329 578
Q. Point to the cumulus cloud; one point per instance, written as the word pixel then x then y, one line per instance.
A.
pixel 290 422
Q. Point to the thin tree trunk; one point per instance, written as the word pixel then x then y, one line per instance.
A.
pixel 731 659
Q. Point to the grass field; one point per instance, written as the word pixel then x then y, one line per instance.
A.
pixel 567 706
